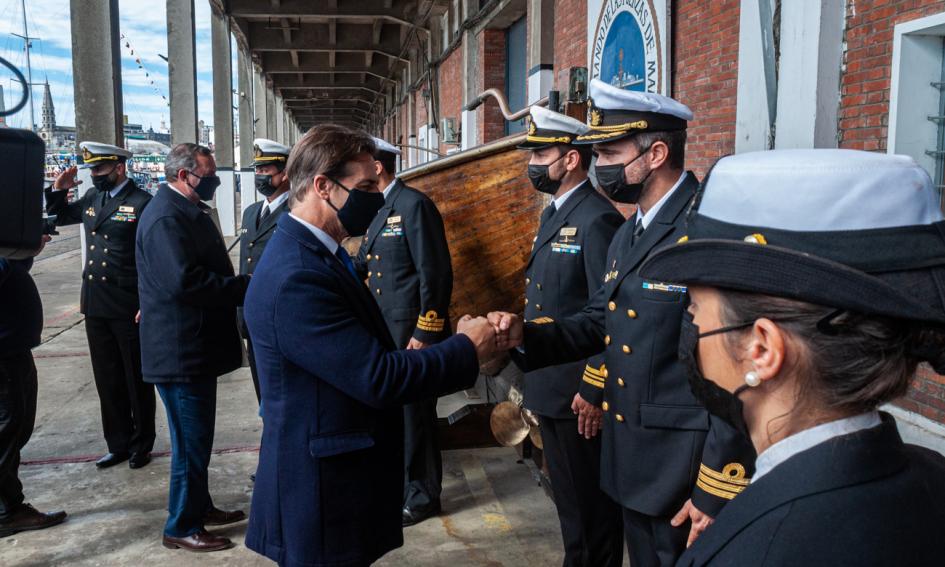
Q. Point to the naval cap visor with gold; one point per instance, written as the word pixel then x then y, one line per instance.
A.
pixel 857 231
pixel 614 113
pixel 268 152
pixel 94 154
pixel 548 128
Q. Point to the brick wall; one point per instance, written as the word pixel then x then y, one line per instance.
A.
pixel 705 76
pixel 570 40
pixel 451 91
pixel 489 118
pixel 865 82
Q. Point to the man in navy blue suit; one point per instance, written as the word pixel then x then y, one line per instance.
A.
pixel 329 487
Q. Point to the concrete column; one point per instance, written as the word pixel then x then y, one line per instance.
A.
pixel 182 70
pixel 757 80
pixel 272 127
pixel 471 89
pixel 541 48
pixel 279 119
pixel 809 73
pixel 259 104
pixel 248 194
pixel 223 121
pixel 96 79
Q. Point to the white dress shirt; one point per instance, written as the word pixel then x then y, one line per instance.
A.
pixel 117 189
pixel 274 204
pixel 559 201
pixel 655 209
pixel 321 235
pixel 389 187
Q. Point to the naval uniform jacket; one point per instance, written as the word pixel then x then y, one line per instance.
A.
pixel 330 483
pixel 864 499
pixel 564 270
pixel 659 446
pixel 406 261
pixel 189 293
pixel 109 276
pixel 253 240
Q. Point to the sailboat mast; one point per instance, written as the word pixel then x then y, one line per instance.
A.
pixel 29 68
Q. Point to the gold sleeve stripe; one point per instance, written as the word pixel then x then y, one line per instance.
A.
pixel 733 488
pixel 542 320
pixel 715 491
pixel 733 473
pixel 431 322
pixel 597 373
pixel 593 381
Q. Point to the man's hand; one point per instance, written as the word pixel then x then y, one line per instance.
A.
pixel 138 317
pixel 66 179
pixel 414 344
pixel 589 416
pixel 42 244
pixel 700 520
pixel 509 329
pixel 480 332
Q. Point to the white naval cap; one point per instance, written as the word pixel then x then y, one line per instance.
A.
pixel 385 146
pixel 268 152
pixel 548 128
pixel 95 153
pixel 615 113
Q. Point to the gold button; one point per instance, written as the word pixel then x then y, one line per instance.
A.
pixel 631 313
pixel 104 279
pixel 377 257
pixel 378 274
pixel 538 286
pixel 528 281
pixel 607 340
pixel 619 418
pixel 605 406
pixel 611 306
pixel 621 383
pixel 90 276
pixel 538 307
pixel 604 371
pixel 249 260
pixel 104 265
pixel 378 291
pixel 368 256
pixel 93 233
pixel 369 274
pixel 91 262
pixel 250 244
pixel 92 247
pixel 526 301
pixel 105 251
pixel 627 349
pixel 106 237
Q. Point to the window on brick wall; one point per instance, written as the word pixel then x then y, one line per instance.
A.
pixel 515 71
pixel 917 96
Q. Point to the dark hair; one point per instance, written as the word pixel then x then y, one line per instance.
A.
pixel 323 150
pixel 183 156
pixel 851 364
pixel 586 153
pixel 675 140
pixel 388 161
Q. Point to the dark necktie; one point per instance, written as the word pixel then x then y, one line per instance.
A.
pixel 262 217
pixel 638 229
pixel 346 260
pixel 547 214
pixel 104 199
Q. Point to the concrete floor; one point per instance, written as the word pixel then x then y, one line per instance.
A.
pixel 495 514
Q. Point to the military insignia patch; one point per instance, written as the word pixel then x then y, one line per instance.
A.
pixel 563 248
pixel 668 288
pixel 532 129
pixel 90 211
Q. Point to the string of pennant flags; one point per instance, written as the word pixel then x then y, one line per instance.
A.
pixel 140 64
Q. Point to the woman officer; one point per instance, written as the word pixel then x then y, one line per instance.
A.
pixel 817 285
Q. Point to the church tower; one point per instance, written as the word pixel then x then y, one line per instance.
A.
pixel 49 112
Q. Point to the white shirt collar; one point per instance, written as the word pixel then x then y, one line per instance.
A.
pixel 559 202
pixel 117 188
pixel 799 442
pixel 320 234
pixel 275 204
pixel 388 189
pixel 651 214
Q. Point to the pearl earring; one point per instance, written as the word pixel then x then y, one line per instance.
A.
pixel 752 379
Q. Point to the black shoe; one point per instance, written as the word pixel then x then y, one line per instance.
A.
pixel 138 460
pixel 413 516
pixel 111 459
pixel 28 518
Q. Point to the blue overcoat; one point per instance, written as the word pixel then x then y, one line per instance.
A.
pixel 330 481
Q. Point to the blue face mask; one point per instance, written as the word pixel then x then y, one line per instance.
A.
pixel 359 210
pixel 207 186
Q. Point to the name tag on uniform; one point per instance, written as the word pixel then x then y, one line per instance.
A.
pixel 393 228
pixel 569 231
pixel 126 209
pixel 667 288
pixel 393 220
pixel 562 248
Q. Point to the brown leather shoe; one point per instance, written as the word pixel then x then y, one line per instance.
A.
pixel 218 517
pixel 28 518
pixel 202 541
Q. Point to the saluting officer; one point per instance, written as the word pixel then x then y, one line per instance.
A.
pixel 259 220
pixel 406 260
pixel 109 297
pixel 664 459
pixel 564 270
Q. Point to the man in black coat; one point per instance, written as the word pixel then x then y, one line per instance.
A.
pixel 664 459
pixel 189 296
pixel 259 220
pixel 109 214
pixel 564 270
pixel 406 261
pixel 21 324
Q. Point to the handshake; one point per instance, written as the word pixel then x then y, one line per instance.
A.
pixel 494 333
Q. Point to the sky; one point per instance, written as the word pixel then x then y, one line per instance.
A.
pixel 144 25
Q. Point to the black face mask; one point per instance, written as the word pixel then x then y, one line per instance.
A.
pixel 538 175
pixel 105 182
pixel 264 185
pixel 612 180
pixel 717 400
pixel 359 210
pixel 206 187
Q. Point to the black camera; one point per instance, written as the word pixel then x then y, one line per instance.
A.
pixel 22 158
